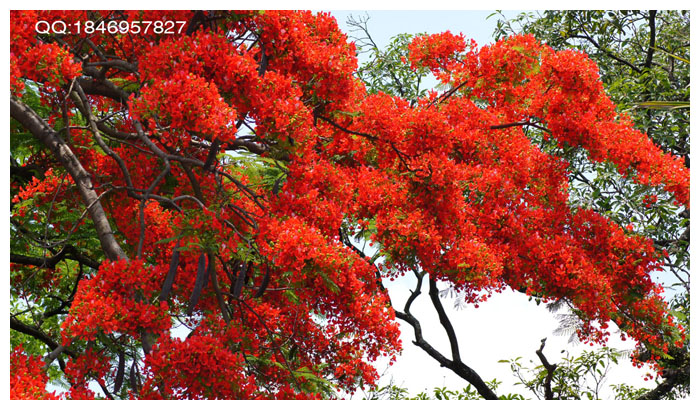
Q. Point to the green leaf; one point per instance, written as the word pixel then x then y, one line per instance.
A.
pixel 329 283
pixel 663 105
pixel 685 60
pixel 679 315
pixel 291 296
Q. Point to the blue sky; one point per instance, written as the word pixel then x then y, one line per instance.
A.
pixel 385 24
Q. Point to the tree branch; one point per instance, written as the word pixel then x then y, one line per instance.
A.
pixel 611 55
pixel 444 320
pixel 104 88
pixel 548 395
pixel 38 334
pixel 652 39
pixel 68 252
pixel 520 124
pixel 671 375
pixel 62 152
pixel 457 366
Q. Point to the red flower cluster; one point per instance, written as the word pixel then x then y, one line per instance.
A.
pixel 436 51
pixel 40 188
pixel 90 366
pixel 45 63
pixel 117 300
pixel 27 377
pixel 186 101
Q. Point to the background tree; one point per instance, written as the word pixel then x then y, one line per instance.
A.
pixel 191 191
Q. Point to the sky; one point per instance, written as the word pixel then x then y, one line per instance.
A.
pixel 385 24
pixel 507 325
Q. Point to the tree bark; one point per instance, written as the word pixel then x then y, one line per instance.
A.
pixel 62 152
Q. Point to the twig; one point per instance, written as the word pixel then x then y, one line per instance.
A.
pixel 548 395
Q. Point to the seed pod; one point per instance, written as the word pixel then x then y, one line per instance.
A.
pixel 210 264
pixel 276 186
pixel 240 280
pixel 170 278
pixel 133 378
pixel 198 283
pixel 264 283
pixel 119 378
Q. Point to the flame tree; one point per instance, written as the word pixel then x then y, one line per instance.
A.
pixel 189 188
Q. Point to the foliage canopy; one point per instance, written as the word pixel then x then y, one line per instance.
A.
pixel 189 205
